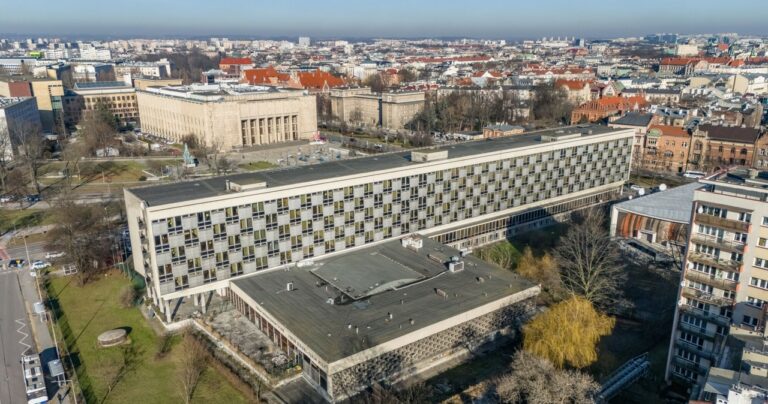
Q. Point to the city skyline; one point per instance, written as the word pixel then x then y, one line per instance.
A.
pixel 398 19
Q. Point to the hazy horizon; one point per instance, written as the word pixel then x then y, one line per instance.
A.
pixel 493 19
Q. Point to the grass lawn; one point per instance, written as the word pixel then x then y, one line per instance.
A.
pixel 94 308
pixel 114 171
pixel 22 218
pixel 256 165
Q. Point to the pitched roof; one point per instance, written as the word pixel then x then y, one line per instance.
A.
pixel 634 119
pixel 571 84
pixel 668 130
pixel 267 75
pixel 734 134
pixel 318 79
pixel 235 61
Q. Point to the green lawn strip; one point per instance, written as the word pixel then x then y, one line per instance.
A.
pixel 94 308
pixel 21 218
pixel 257 165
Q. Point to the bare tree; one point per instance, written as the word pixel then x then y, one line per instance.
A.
pixel 589 260
pixel 33 146
pixel 533 380
pixel 72 153
pixel 81 232
pixel 192 364
pixel 6 157
pixel 130 357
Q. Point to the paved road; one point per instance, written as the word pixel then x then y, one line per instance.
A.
pixel 15 338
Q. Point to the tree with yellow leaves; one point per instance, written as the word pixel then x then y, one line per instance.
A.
pixel 542 270
pixel 567 333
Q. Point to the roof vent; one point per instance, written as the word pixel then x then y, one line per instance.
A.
pixel 456 265
pixel 413 242
pixel 289 286
pixel 428 155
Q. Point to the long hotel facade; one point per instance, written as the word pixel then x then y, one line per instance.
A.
pixel 192 238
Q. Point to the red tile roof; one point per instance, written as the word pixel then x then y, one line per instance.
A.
pixel 266 75
pixel 318 79
pixel 571 84
pixel 235 61
pixel 667 130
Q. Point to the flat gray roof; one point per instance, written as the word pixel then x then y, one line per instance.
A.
pixel 329 330
pixel 211 187
pixel 673 205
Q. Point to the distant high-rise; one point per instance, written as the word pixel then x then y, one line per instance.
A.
pixel 304 41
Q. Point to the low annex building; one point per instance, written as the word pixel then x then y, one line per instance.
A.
pixel 385 312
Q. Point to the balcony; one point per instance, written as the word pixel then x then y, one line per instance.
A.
pixel 707 297
pixel 700 351
pixel 709 334
pixel 720 283
pixel 700 369
pixel 728 224
pixel 717 242
pixel 709 316
pixel 719 263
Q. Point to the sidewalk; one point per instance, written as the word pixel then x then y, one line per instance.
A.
pixel 42 336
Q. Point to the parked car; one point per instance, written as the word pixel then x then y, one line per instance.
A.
pixel 16 263
pixel 7 198
pixel 33 198
pixel 40 264
pixel 54 254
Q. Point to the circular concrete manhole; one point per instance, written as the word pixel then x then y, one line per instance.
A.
pixel 113 337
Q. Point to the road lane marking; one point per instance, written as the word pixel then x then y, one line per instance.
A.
pixel 22 326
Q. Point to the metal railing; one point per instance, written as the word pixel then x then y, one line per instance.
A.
pixel 720 283
pixel 721 222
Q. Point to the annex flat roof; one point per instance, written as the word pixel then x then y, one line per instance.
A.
pixel 673 205
pixel 210 187
pixel 336 331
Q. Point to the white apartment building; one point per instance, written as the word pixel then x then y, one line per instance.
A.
pixel 193 238
pixel 724 286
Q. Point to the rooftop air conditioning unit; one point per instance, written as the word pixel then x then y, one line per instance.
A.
pixel 456 266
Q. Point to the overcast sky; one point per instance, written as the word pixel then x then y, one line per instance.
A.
pixel 503 19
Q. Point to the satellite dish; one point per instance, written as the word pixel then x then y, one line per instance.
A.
pixel 662 187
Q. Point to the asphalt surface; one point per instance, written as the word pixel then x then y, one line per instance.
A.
pixel 15 338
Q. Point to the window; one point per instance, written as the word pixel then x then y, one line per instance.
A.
pixel 740 237
pixel 759 283
pixel 765 220
pixel 753 301
pixel 204 219
pixel 750 321
pixel 761 263
pixel 219 231
pixel 190 237
pixel 178 254
pixel 692 339
pixel 762 242
pixel 745 217
pixel 194 265
pixel 164 273
pixel 258 210
pixel 222 258
pixel 206 249
pixel 231 214
pixel 713 211
pixel 209 275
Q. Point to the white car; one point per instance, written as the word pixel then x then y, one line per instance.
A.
pixel 39 265
pixel 54 254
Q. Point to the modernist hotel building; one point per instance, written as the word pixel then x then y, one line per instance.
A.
pixel 363 238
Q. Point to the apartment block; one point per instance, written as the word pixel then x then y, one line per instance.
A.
pixel 196 237
pixel 119 98
pixel 359 106
pixel 16 114
pixel 48 94
pixel 724 284
pixel 232 116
